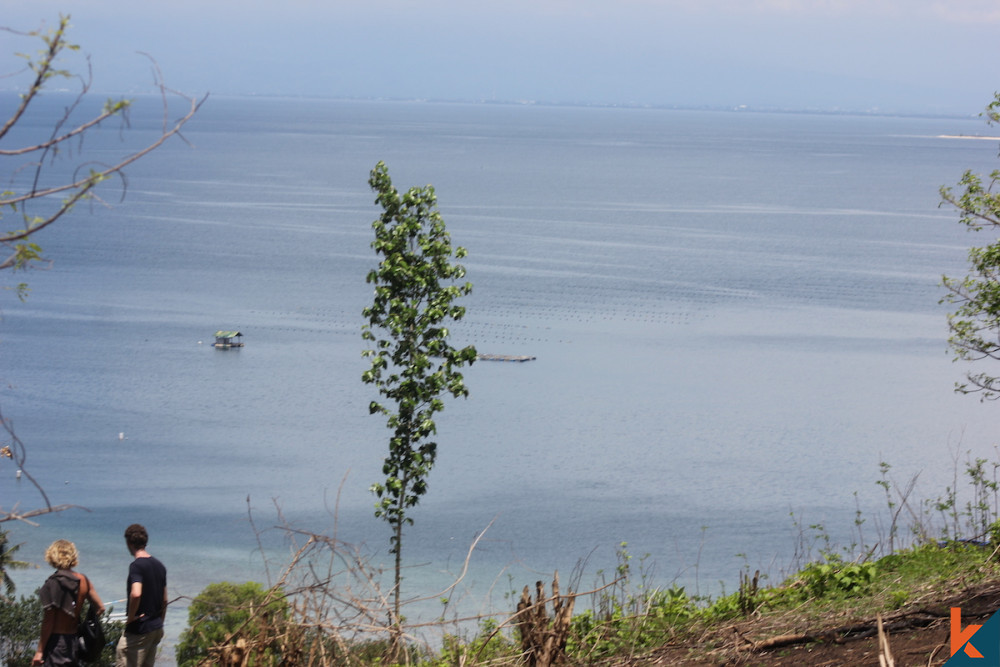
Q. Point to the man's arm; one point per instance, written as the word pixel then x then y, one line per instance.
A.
pixel 134 595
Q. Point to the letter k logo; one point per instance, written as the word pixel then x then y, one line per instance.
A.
pixel 960 637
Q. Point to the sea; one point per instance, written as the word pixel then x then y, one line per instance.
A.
pixel 733 319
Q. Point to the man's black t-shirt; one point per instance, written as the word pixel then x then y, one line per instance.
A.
pixel 152 574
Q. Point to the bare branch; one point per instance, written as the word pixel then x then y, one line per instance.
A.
pixel 87 176
pixel 55 44
pixel 16 451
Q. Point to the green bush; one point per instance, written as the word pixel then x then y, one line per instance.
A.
pixel 489 645
pixel 224 612
pixel 21 623
pixel 645 619
pixel 834 576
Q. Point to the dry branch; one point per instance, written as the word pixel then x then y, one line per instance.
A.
pixel 885 658
pixel 543 639
pixel 16 452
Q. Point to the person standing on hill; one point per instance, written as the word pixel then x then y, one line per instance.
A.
pixel 62 597
pixel 147 603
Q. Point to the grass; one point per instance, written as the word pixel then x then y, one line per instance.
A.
pixel 833 590
pixel 828 593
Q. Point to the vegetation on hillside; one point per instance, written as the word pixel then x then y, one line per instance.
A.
pixel 338 614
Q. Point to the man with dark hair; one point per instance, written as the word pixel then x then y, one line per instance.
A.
pixel 147 603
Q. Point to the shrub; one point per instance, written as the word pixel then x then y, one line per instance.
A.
pixel 225 613
pixel 833 576
pixel 20 624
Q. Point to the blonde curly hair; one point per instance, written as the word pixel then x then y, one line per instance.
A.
pixel 62 555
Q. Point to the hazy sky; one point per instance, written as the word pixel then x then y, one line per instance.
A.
pixel 916 56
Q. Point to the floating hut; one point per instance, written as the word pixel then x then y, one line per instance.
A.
pixel 227 339
pixel 504 357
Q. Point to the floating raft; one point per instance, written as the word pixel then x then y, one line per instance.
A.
pixel 504 357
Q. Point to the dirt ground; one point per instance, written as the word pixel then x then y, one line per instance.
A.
pixel 918 636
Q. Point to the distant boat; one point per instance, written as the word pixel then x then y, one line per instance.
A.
pixel 227 339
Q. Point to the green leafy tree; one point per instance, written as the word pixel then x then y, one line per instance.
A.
pixel 9 562
pixel 975 323
pixel 225 612
pixel 412 363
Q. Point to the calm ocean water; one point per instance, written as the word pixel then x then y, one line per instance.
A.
pixel 734 316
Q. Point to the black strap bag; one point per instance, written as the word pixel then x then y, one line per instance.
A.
pixel 90 635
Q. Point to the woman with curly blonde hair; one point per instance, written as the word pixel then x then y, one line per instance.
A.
pixel 62 597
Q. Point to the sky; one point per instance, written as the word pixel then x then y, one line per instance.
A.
pixel 891 56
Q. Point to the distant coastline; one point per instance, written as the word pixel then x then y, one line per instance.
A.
pixel 737 108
